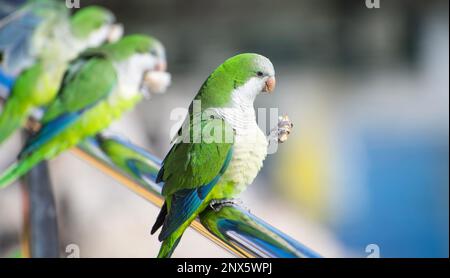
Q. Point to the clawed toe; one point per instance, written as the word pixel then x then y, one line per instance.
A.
pixel 217 205
pixel 284 128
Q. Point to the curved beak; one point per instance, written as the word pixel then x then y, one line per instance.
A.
pixel 115 32
pixel 270 85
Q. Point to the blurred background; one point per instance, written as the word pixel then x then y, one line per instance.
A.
pixel 367 162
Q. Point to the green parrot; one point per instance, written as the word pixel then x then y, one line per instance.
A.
pixel 45 28
pixel 222 150
pixel 59 40
pixel 100 85
pixel 24 31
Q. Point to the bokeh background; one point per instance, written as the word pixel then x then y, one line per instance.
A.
pixel 367 163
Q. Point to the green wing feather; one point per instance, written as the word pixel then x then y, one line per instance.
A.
pixel 86 81
pixel 18 105
pixel 191 165
pixel 190 171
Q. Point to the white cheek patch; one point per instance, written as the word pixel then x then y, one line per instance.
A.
pixel 245 95
pixel 240 114
pixel 99 36
pixel 131 73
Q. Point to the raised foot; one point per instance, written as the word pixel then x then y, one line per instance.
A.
pixel 284 128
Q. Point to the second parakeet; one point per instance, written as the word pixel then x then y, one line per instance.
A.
pixel 100 85
pixel 54 42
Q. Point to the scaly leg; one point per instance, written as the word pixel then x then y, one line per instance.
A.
pixel 217 205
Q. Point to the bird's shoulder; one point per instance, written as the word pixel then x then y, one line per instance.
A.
pixel 88 80
pixel 198 155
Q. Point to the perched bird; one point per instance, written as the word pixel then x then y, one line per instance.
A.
pixel 44 28
pixel 55 42
pixel 222 150
pixel 100 85
pixel 24 30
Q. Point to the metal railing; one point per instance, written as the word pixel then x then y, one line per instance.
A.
pixel 40 233
pixel 232 228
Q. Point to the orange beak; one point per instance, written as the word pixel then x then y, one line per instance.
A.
pixel 270 85
pixel 161 66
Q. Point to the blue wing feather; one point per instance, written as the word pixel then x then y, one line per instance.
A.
pixel 49 131
pixel 17 30
pixel 185 202
pixel 15 40
pixel 6 80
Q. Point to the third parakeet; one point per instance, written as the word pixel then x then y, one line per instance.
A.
pixel 43 28
pixel 223 149
pixel 53 44
pixel 100 85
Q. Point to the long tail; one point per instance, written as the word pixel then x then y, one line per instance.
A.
pixel 14 115
pixel 18 169
pixel 169 245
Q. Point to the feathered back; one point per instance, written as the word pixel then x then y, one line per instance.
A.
pixel 18 47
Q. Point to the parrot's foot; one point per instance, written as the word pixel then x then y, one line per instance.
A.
pixel 217 205
pixel 284 128
pixel 33 126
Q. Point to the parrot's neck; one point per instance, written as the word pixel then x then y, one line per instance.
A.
pixel 95 39
pixel 250 143
pixel 240 113
pixel 63 47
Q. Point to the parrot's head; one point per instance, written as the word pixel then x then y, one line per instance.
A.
pixel 238 81
pixel 144 58
pixel 95 25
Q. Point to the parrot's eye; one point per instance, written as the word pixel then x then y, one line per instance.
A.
pixel 153 52
pixel 259 73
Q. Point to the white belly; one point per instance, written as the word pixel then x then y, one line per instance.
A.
pixel 249 152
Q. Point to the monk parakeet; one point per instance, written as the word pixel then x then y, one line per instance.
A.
pixel 23 32
pixel 45 28
pixel 222 150
pixel 58 40
pixel 100 85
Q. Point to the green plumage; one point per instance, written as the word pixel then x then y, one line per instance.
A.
pixel 38 84
pixel 25 33
pixel 35 87
pixel 88 19
pixel 192 170
pixel 190 166
pixel 233 73
pixel 88 101
pixel 16 109
pixel 129 45
pixel 95 76
pixel 15 119
pixel 128 157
